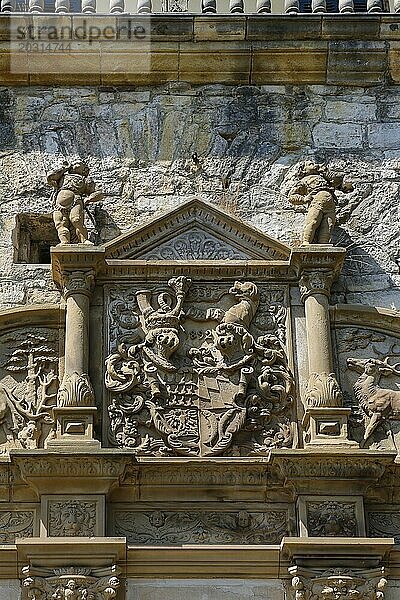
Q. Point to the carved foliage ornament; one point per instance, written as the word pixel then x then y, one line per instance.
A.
pixel 194 377
pixel 72 518
pixel 331 518
pixel 70 583
pixel 16 524
pixel 76 390
pixel 78 282
pixel 323 391
pixel 239 527
pixel 340 584
pixel 315 282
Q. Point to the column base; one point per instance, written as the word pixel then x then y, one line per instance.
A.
pixel 74 428
pixel 327 426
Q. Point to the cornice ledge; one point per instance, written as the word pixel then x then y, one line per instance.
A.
pixel 316 552
pixel 325 468
pixel 80 472
pixel 71 551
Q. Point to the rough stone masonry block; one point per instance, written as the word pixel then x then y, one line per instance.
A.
pixel 355 111
pixel 384 135
pixel 335 135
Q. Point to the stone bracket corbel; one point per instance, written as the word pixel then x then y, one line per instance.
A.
pixel 328 567
pixel 68 566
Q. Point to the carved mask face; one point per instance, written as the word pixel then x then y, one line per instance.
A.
pixel 157 518
pixel 243 519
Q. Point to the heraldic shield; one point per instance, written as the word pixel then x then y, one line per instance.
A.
pixel 194 373
pixel 196 352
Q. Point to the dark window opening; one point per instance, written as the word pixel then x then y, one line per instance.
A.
pixel 33 237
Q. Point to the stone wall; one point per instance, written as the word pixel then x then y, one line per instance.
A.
pixel 140 144
pixel 205 589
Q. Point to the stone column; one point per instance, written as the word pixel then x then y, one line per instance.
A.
pixel 325 420
pixel 76 403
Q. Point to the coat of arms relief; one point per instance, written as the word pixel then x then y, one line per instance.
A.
pixel 198 368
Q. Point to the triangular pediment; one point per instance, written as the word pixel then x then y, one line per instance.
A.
pixel 196 231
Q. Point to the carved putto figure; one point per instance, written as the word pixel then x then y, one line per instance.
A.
pixel 316 186
pixel 73 191
pixel 172 395
pixel 377 403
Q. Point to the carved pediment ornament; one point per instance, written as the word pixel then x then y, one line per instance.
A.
pixel 196 397
pixel 197 230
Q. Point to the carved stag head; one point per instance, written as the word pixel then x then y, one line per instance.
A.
pixel 373 367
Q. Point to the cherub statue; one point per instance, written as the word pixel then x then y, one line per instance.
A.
pixel 316 187
pixel 73 191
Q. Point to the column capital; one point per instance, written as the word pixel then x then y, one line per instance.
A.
pixel 315 281
pixel 77 282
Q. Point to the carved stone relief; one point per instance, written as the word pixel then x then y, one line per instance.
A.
pixel 199 369
pixel 331 516
pixel 28 387
pixel 338 584
pixel 382 523
pixel 168 527
pixel 16 524
pixel 70 583
pixel 195 245
pixel 71 518
pixel 368 365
